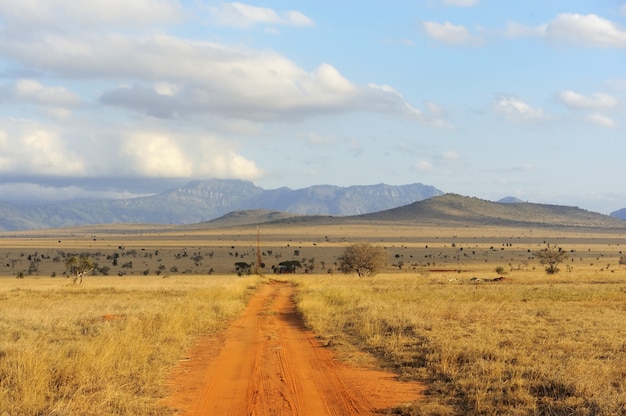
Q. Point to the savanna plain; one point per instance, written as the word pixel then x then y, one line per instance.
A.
pixel 528 344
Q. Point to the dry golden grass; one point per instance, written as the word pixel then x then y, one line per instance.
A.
pixel 529 345
pixel 103 348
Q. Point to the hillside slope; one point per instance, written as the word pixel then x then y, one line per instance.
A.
pixel 456 209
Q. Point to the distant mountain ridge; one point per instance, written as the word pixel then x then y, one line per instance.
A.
pixel 451 209
pixel 620 213
pixel 209 199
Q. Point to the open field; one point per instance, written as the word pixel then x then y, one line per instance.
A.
pixel 103 348
pixel 530 344
pixel 526 346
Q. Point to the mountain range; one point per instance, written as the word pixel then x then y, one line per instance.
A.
pixel 223 202
pixel 200 201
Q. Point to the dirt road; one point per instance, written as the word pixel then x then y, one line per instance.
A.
pixel 267 363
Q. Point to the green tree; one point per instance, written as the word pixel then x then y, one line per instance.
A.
pixel 289 266
pixel 77 267
pixel 551 257
pixel 242 268
pixel 363 259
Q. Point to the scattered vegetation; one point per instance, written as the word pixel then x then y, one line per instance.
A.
pixel 520 345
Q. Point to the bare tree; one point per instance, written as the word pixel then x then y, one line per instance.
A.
pixel 363 259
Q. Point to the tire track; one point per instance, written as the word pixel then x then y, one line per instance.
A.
pixel 270 365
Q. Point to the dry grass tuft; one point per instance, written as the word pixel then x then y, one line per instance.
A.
pixel 103 348
pixel 518 347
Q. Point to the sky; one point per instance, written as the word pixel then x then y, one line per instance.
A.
pixel 483 98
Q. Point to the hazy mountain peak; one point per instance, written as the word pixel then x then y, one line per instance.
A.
pixel 510 200
pixel 204 200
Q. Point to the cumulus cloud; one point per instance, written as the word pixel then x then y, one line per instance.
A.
pixel 243 16
pixel 517 110
pixel 518 30
pixel 601 120
pixel 384 98
pixel 200 77
pixel 109 150
pixel 588 30
pixel 28 91
pixel 450 34
pixel 182 93
pixel 33 149
pixel 596 101
pixel 35 15
pixel 175 155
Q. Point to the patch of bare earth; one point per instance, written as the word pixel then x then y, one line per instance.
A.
pixel 267 363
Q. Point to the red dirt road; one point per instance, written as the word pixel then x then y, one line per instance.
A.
pixel 268 364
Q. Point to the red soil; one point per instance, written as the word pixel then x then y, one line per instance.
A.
pixel 267 363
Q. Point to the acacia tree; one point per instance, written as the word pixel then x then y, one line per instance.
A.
pixel 77 267
pixel 551 257
pixel 363 259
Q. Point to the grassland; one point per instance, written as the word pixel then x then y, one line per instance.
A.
pixel 531 344
pixel 103 348
pixel 526 346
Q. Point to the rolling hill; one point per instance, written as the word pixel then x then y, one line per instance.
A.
pixel 620 213
pixel 449 210
pixel 454 209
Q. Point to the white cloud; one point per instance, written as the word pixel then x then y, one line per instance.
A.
pixel 38 193
pixel 451 155
pixel 200 77
pixel 92 14
pixel 424 165
pixel 517 30
pixel 107 149
pixel 35 150
pixel 162 154
pixel 435 109
pixel 243 16
pixel 154 154
pixel 517 110
pixel 385 98
pixel 33 92
pixel 166 88
pixel 596 101
pixel 450 34
pixel 588 30
pixel 447 32
pixel 601 120
pixel 461 3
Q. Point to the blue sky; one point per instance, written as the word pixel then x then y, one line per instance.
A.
pixel 118 98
